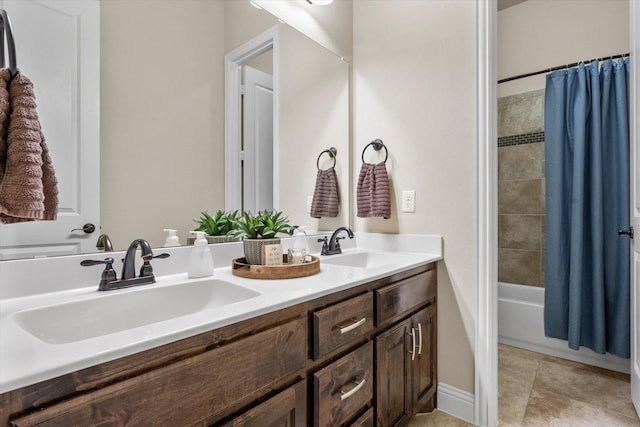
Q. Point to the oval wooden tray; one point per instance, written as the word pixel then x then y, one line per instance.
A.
pixel 239 267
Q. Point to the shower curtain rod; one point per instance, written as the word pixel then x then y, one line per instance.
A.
pixel 560 67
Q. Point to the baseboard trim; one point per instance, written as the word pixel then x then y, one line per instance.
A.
pixel 456 402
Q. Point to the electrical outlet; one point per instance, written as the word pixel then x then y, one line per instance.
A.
pixel 309 202
pixel 409 201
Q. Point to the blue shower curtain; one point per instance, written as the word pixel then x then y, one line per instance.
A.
pixel 587 193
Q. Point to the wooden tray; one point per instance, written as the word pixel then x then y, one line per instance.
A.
pixel 239 267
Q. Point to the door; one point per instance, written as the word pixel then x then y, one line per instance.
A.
pixel 58 49
pixel 257 141
pixel 393 375
pixel 424 376
pixel 635 205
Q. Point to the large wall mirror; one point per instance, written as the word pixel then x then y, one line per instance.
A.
pixel 161 115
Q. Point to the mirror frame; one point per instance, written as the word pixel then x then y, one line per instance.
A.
pixel 233 116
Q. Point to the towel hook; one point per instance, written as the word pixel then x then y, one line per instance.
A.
pixel 377 145
pixel 6 29
pixel 332 152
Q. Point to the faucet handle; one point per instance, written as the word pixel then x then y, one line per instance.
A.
pixel 146 269
pixel 108 274
pixel 325 245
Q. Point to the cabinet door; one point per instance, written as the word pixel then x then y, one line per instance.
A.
pixel 393 375
pixel 286 409
pixel 424 373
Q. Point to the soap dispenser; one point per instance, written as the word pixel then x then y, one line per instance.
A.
pixel 200 260
pixel 172 238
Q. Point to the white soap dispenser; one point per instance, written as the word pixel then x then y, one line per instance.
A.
pixel 200 259
pixel 172 238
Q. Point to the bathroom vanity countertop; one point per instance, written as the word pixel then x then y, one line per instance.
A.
pixel 26 359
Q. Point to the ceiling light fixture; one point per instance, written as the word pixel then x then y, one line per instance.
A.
pixel 319 2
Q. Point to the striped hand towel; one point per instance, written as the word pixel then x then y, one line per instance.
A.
pixel 373 195
pixel 326 198
pixel 29 190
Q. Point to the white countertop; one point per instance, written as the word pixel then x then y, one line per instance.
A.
pixel 25 359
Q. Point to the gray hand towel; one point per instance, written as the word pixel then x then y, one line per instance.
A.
pixel 373 195
pixel 326 198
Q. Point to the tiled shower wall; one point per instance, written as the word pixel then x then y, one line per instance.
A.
pixel 521 184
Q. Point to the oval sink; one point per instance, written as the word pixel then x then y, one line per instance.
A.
pixel 115 311
pixel 366 259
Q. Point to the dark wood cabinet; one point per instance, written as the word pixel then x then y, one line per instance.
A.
pixel 362 356
pixel 393 380
pixel 286 409
pixel 406 364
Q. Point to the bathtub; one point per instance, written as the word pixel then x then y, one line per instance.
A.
pixel 521 324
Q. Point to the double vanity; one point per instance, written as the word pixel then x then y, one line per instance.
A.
pixel 354 344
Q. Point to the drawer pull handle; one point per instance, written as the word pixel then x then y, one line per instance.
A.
pixel 419 339
pixel 347 394
pixel 352 326
pixel 413 343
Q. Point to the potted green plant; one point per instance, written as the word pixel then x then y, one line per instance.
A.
pixel 259 230
pixel 216 227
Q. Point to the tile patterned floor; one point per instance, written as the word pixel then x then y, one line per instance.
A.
pixel 538 390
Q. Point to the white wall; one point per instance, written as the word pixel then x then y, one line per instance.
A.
pixel 414 87
pixel 540 34
pixel 313 104
pixel 162 111
pixel 330 25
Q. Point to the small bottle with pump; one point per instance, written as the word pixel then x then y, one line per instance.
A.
pixel 200 260
pixel 172 238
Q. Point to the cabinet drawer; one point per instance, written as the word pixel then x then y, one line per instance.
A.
pixel 286 409
pixel 365 420
pixel 191 390
pixel 343 388
pixel 394 301
pixel 342 323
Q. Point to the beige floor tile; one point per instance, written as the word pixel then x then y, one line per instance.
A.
pixel 597 387
pixel 513 397
pixel 549 409
pixel 437 418
pixel 515 364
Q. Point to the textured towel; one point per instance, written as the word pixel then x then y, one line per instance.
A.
pixel 326 198
pixel 5 110
pixel 373 195
pixel 28 190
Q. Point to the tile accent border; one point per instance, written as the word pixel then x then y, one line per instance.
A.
pixel 525 138
pixel 456 402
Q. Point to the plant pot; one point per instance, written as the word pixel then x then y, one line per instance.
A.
pixel 253 249
pixel 214 239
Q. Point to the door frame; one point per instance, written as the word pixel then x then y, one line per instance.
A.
pixel 486 330
pixel 233 115
pixel 486 326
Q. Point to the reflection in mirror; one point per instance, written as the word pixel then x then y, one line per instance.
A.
pixel 161 116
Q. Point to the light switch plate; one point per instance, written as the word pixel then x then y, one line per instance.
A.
pixel 409 201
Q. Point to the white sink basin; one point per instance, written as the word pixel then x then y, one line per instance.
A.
pixel 366 259
pixel 114 311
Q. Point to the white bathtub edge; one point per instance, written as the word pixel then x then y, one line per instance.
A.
pixel 521 324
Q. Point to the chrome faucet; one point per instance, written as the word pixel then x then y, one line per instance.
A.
pixel 109 280
pixel 332 247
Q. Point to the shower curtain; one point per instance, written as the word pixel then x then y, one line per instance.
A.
pixel 587 195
